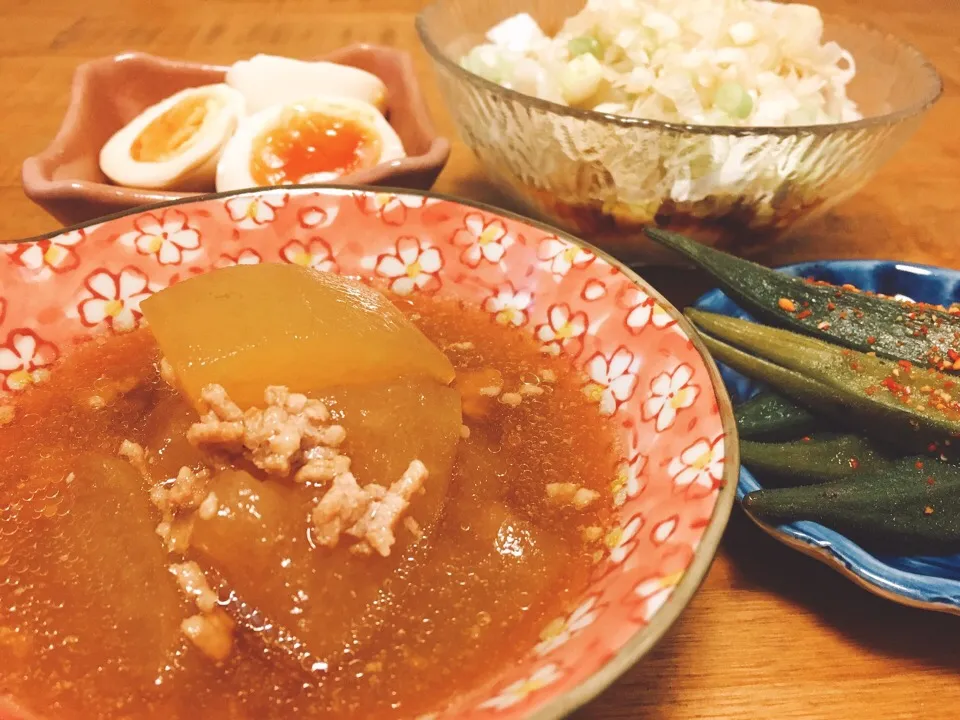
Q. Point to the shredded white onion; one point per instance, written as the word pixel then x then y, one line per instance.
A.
pixel 714 62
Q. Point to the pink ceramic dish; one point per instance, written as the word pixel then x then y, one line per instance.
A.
pixel 641 363
pixel 65 178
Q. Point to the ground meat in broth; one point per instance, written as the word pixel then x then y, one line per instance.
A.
pixel 458 610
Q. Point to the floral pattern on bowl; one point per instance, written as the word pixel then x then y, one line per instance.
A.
pixel 642 366
pixel 932 583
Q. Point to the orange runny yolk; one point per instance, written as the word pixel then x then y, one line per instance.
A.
pixel 304 142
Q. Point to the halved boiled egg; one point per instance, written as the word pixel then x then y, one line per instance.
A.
pixel 176 143
pixel 267 80
pixel 315 140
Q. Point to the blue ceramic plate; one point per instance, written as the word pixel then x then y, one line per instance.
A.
pixel 928 582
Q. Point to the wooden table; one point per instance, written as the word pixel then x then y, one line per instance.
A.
pixel 771 634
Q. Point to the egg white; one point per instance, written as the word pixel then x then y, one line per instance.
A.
pixel 267 80
pixel 233 171
pixel 194 167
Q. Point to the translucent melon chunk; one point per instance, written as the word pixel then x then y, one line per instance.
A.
pixel 98 576
pixel 259 543
pixel 388 426
pixel 480 582
pixel 167 446
pixel 250 326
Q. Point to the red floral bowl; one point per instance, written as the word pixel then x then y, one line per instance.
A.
pixel 642 364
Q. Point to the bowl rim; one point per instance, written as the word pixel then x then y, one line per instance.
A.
pixel 643 639
pixel 37 171
pixel 911 110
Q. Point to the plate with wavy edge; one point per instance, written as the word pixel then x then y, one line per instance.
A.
pixel 929 582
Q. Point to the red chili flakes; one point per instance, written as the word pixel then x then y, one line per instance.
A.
pixel 854 365
pixel 896 389
pixel 948 384
pixel 919 465
pixel 854 463
pixel 824 325
pixel 803 314
pixel 805 438
pixel 842 315
pixel 858 314
pixel 786 304
pixel 848 286
pixel 953 355
pixel 932 447
pixel 871 340
pixel 831 306
pixel 870 389
pixel 845 351
pixel 928 510
pixel 905 364
pixel 931 481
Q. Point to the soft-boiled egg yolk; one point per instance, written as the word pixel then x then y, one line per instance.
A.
pixel 315 140
pixel 175 130
pixel 175 144
pixel 306 143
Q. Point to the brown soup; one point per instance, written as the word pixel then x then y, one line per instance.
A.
pixel 96 625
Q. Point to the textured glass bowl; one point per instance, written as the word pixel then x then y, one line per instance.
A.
pixel 604 177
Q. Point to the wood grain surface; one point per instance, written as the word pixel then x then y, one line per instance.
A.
pixel 771 634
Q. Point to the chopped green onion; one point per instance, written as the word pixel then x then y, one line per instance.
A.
pixel 733 100
pixel 583 45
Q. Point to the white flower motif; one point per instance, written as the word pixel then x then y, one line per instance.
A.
pixel 249 211
pixel 559 632
pixel 700 466
pixel 313 217
pixel 621 540
pixel 165 237
pixel 560 257
pixel 613 381
pixel 247 256
pixel 24 359
pixel 509 306
pixel 593 290
pixel 389 207
pixel 481 240
pixel 644 310
pixel 628 481
pixel 655 592
pixel 314 254
pixel 517 692
pixel 664 530
pixel 115 299
pixel 564 329
pixel 671 392
pixel 413 266
pixel 56 254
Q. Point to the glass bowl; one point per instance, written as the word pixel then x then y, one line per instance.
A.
pixel 605 177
